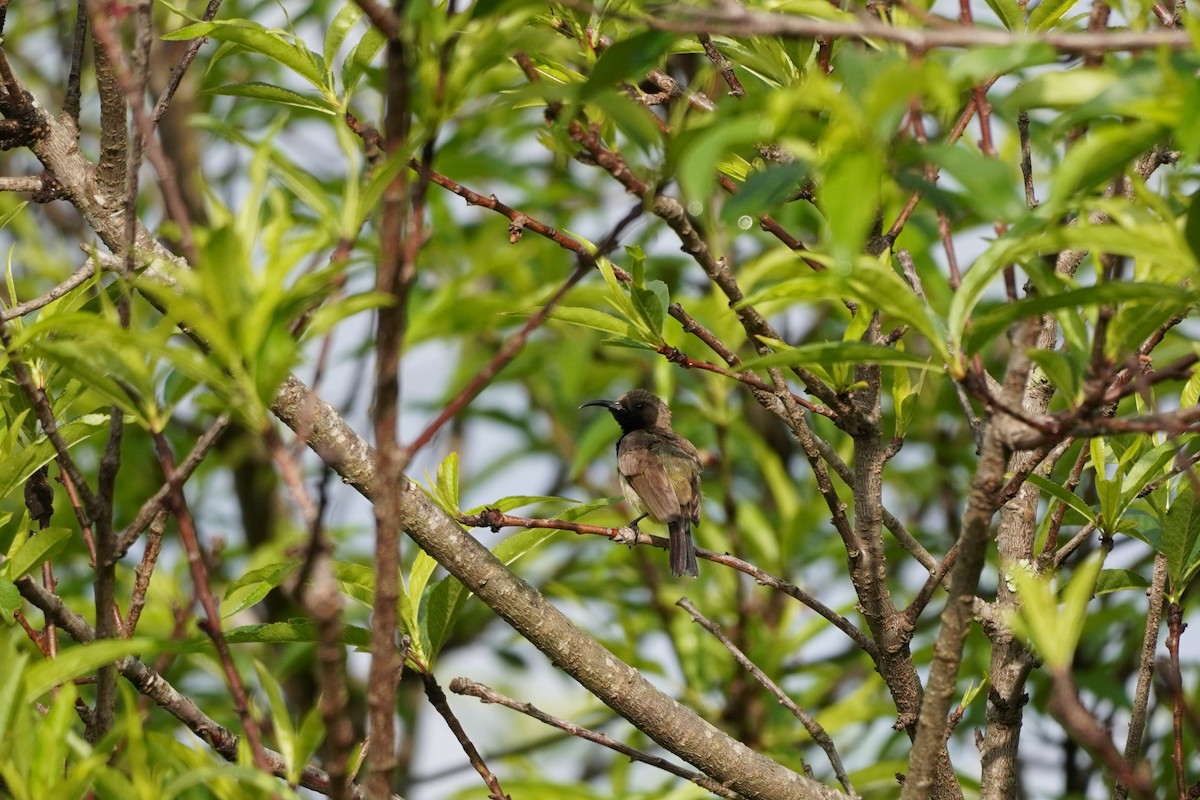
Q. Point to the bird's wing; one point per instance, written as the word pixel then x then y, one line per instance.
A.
pixel 684 473
pixel 642 469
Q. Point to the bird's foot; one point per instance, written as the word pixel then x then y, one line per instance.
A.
pixel 627 536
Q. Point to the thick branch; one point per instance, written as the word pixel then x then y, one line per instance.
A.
pixel 624 689
pixel 736 20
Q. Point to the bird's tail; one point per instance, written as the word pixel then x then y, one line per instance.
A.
pixel 682 550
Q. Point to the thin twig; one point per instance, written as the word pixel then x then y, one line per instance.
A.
pixel 490 518
pixel 814 728
pixel 45 415
pixel 1175 628
pixel 200 585
pixel 153 506
pixel 77 279
pixel 144 570
pixel 723 66
pixel 71 101
pixel 1085 728
pixel 471 688
pixel 181 67
pixel 437 698
pixel 395 273
pixel 1141 694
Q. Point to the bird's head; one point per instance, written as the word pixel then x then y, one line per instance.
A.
pixel 636 410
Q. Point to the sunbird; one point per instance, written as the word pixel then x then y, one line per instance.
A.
pixel 659 471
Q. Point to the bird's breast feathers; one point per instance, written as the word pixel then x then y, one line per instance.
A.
pixel 660 474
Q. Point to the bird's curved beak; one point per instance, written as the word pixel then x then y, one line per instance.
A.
pixel 611 405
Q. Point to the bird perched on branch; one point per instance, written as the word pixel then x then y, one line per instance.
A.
pixel 659 472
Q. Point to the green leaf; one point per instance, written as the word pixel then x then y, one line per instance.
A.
pixel 1144 527
pixel 1009 12
pixel 990 184
pixel 246 777
pixel 11 685
pixel 651 302
pixel 765 189
pixel 356 581
pixel 1190 394
pixel 806 288
pixel 880 287
pixel 281 722
pixel 596 320
pixel 312 732
pixel 625 341
pixel 904 400
pixel 52 738
pixel 1148 467
pixel 583 509
pixel 181 11
pixel 360 58
pixel 1054 628
pixel 1061 89
pixel 1058 491
pixel 517 501
pixel 1104 152
pixel 10 603
pixel 1076 596
pixel 618 296
pixel 1047 13
pixel 849 198
pixel 1119 580
pixel 633 56
pixel 1063 371
pixel 42 546
pixel 260 582
pixel 1108 490
pixel 637 263
pixel 1191 230
pixel 446 600
pixel 988 324
pixel 339 28
pixel 700 154
pixel 18 465
pixel 294 630
pixel 1181 532
pixel 258 90
pixel 629 117
pixel 329 315
pixel 447 481
pixel 496 8
pixel 829 353
pixel 75 662
pixel 412 600
pixel 255 37
pixel 441 609
pixel 978 64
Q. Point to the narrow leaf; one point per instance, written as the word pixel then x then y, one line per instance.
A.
pixel 75 662
pixel 1060 492
pixel 260 40
pixel 258 90
pixel 628 57
pixel 42 546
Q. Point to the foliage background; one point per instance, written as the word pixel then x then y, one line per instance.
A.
pixel 839 252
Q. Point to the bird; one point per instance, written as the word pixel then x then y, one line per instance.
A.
pixel 659 472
